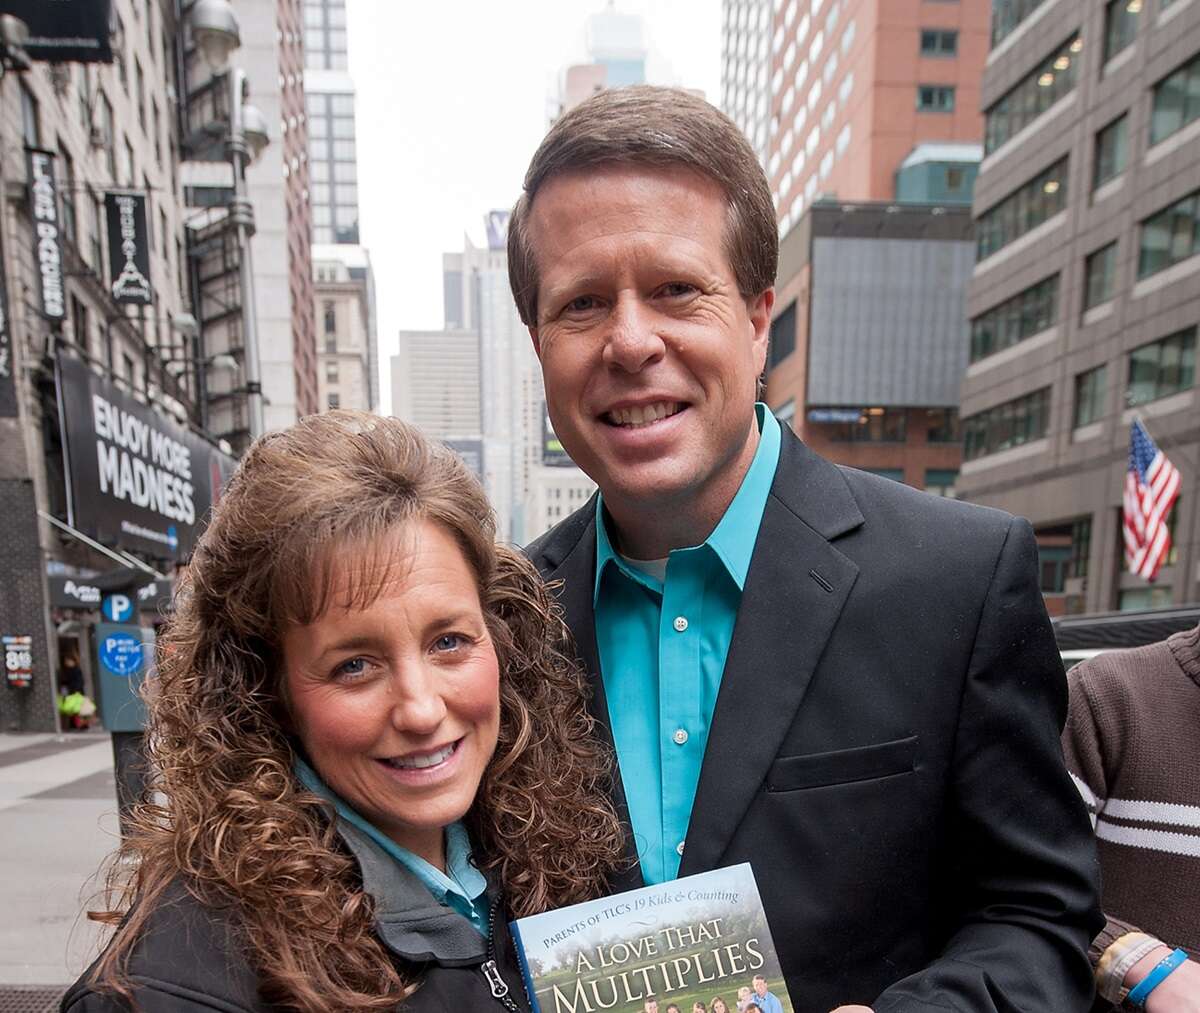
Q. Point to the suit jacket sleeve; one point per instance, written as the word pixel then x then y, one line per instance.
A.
pixel 1020 849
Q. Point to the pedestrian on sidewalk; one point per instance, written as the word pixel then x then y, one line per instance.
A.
pixel 370 750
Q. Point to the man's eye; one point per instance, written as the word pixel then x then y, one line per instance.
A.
pixel 581 304
pixel 677 288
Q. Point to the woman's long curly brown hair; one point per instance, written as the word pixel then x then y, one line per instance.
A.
pixel 223 813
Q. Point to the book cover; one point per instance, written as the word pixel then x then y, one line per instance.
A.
pixel 695 943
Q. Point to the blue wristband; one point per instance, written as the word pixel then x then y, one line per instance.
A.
pixel 1141 992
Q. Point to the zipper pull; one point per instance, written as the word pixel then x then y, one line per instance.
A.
pixel 497 984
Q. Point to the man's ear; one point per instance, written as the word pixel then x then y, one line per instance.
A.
pixel 537 344
pixel 759 308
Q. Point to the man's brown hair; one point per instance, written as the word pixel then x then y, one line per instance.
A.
pixel 658 128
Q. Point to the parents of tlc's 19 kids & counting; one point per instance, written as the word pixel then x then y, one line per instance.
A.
pixel 848 683
pixel 369 750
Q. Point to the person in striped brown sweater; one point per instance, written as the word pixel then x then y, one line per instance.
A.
pixel 1132 745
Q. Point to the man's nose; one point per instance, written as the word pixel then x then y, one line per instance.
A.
pixel 633 343
pixel 417 704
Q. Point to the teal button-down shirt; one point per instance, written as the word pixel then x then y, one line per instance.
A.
pixel 662 646
pixel 461 887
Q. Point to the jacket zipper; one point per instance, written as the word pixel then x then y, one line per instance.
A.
pixel 491 970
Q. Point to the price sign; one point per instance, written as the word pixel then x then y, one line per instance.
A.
pixel 18 661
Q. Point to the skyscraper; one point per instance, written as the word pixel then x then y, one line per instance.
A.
pixel 1085 297
pixel 344 281
pixel 857 99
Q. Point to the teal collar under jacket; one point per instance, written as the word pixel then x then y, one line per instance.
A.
pixel 462 887
pixel 662 647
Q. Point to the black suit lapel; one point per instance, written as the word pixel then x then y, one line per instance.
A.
pixel 577 573
pixel 795 590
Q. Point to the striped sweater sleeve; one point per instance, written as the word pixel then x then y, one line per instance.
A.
pixel 1086 747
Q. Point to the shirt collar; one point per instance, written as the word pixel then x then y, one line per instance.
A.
pixel 460 886
pixel 735 534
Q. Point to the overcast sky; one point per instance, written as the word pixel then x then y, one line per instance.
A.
pixel 452 101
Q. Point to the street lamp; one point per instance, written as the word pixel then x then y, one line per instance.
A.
pixel 216 33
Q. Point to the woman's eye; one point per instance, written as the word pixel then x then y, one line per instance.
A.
pixel 351 670
pixel 449 642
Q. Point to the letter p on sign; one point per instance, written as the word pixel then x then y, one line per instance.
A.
pixel 117 608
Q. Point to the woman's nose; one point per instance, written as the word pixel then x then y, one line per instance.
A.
pixel 416 702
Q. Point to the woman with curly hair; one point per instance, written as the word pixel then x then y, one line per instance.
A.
pixel 368 749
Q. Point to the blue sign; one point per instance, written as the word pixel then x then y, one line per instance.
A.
pixel 121 653
pixel 117 608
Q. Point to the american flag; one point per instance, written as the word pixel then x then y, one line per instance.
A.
pixel 1151 488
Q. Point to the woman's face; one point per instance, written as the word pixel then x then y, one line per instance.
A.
pixel 398 705
pixel 719 1006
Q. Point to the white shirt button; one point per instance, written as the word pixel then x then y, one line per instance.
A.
pixel 679 848
pixel 681 624
pixel 680 736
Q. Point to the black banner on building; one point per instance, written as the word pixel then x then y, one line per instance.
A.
pixel 65 30
pixel 47 240
pixel 8 383
pixel 135 479
pixel 128 248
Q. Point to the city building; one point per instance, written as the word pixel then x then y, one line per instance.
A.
pixel 346 319
pixel 840 96
pixel 1085 299
pixel 865 113
pixel 616 51
pixel 106 469
pixel 867 342
pixel 271 56
pixel 435 385
pixel 342 268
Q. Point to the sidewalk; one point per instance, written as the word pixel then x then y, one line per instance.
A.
pixel 58 822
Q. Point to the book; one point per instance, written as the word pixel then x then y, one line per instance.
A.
pixel 701 939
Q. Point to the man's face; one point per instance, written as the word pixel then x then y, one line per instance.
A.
pixel 760 987
pixel 650 1006
pixel 649 352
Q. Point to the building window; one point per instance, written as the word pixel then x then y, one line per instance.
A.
pixel 97 262
pixel 207 196
pixel 69 220
pixel 331 372
pixel 1007 425
pixel 1170 236
pixel 1137 598
pixel 1176 101
pixel 1027 313
pixel 140 77
pixel 1007 14
pixel 783 336
pixel 1022 210
pixel 335 400
pixel 31 131
pixel 1089 395
pixel 107 138
pixel 79 324
pixel 943 426
pixel 1053 78
pixel 940 481
pixel 1112 151
pixel 874 425
pixel 938 42
pixel 1120 25
pixel 935 98
pixel 1162 367
pixel 1099 274
pixel 330 314
pixel 84 92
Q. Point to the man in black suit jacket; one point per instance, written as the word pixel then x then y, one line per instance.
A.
pixel 881 740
